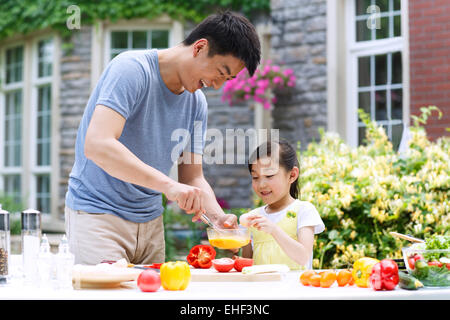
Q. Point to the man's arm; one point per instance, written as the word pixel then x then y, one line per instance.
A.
pixel 191 173
pixel 105 150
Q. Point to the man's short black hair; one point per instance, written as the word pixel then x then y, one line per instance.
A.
pixel 229 33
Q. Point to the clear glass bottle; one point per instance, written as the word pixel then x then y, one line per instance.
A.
pixel 64 266
pixel 45 263
pixel 5 245
pixel 31 234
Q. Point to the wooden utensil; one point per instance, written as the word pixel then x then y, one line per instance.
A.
pixel 406 237
pixel 233 276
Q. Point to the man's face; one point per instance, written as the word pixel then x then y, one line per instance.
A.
pixel 205 71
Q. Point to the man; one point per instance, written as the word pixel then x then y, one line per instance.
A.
pixel 124 146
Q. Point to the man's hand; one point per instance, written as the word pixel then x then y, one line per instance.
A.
pixel 188 198
pixel 228 221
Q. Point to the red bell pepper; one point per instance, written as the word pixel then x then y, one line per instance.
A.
pixel 201 256
pixel 384 275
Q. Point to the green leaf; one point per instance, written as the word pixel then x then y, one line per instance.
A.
pixel 332 235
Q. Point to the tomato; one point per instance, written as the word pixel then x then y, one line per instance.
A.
pixel 201 256
pixel 352 281
pixel 240 263
pixel 314 280
pixel 418 257
pixel 223 264
pixel 305 277
pixel 412 260
pixel 343 277
pixel 327 278
pixel 448 266
pixel 149 281
pixel 435 263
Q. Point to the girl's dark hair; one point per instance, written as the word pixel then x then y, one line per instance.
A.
pixel 229 33
pixel 287 159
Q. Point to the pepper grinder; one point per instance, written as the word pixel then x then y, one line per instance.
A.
pixel 31 233
pixel 5 244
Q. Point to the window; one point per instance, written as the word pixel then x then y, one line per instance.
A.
pixel 26 123
pixel 138 39
pixel 375 59
pixel 11 123
pixel 383 15
pixel 42 125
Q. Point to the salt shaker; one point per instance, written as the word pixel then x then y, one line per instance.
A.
pixel 64 266
pixel 5 244
pixel 31 233
pixel 45 262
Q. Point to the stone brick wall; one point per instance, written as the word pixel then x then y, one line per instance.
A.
pixel 230 182
pixel 299 42
pixel 73 96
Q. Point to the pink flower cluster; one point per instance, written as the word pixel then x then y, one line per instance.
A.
pixel 259 86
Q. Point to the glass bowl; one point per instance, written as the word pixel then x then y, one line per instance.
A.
pixel 433 270
pixel 228 238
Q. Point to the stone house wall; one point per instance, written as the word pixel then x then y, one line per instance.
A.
pixel 75 66
pixel 298 41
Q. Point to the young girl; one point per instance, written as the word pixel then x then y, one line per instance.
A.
pixel 282 230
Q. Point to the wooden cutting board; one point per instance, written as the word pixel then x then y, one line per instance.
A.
pixel 211 275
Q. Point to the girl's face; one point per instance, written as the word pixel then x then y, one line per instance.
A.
pixel 272 182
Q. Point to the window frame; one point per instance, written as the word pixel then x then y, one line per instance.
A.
pixel 51 221
pixel 342 57
pixel 133 26
pixel 101 38
pixel 36 83
pixel 358 49
pixel 4 90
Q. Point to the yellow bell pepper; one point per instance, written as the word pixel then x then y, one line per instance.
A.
pixel 362 269
pixel 175 275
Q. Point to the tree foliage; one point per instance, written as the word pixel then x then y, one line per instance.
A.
pixel 21 17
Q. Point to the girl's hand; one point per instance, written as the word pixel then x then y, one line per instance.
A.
pixel 263 224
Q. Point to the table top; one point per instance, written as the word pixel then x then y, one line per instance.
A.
pixel 289 288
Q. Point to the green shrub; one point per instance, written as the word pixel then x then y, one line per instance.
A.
pixel 14 208
pixel 363 193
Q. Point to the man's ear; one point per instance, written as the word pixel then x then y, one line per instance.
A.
pixel 200 45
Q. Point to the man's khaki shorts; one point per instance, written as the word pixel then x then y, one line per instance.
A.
pixel 94 237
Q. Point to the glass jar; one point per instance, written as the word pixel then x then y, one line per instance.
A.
pixel 5 244
pixel 31 235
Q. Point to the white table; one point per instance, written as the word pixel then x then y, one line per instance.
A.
pixel 289 288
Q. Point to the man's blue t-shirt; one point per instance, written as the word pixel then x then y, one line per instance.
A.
pixel 132 86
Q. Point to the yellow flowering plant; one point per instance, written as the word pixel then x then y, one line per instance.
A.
pixel 363 193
